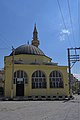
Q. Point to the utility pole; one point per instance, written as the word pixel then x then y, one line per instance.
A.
pixel 13 52
pixel 73 57
pixel 69 65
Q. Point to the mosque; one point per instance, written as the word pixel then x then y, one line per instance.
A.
pixel 30 73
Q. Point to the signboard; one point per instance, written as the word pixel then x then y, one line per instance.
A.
pixel 19 79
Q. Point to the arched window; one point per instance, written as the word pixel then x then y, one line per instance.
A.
pixel 20 77
pixel 38 79
pixel 56 79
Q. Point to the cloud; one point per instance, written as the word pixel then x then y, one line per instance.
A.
pixel 63 34
pixel 64 31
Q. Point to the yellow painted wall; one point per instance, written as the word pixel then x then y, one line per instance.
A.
pixel 29 69
pixel 28 58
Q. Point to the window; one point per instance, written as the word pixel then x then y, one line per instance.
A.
pixel 20 77
pixel 38 80
pixel 56 79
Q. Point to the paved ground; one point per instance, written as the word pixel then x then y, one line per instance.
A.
pixel 40 110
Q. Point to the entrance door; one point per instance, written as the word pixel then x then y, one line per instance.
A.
pixel 20 78
pixel 19 89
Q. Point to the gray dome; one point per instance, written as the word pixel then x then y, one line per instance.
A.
pixel 28 49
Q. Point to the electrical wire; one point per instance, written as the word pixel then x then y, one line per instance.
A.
pixel 5 48
pixel 71 22
pixel 5 41
pixel 77 67
pixel 63 21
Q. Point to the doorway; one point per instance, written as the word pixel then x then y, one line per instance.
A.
pixel 19 89
pixel 20 79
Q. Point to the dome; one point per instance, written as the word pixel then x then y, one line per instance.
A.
pixel 28 49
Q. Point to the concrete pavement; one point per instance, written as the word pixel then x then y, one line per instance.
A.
pixel 40 110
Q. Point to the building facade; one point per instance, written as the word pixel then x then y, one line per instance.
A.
pixel 30 73
pixel 1 82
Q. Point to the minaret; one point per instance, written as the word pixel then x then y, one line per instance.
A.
pixel 35 40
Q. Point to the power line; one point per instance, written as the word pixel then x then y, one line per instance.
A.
pixel 5 41
pixel 71 21
pixel 63 20
pixel 5 48
pixel 77 67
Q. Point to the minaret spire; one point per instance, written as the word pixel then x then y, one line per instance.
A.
pixel 35 40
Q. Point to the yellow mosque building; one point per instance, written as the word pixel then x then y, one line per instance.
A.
pixel 29 73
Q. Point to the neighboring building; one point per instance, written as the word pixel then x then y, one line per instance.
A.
pixel 1 82
pixel 1 78
pixel 74 83
pixel 33 73
pixel 78 90
pixel 79 85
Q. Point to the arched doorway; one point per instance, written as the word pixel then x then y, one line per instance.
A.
pixel 20 78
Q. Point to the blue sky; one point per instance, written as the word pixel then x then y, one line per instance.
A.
pixel 17 19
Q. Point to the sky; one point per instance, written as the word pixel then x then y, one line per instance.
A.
pixel 17 19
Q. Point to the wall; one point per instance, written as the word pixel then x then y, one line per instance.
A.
pixel 29 69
